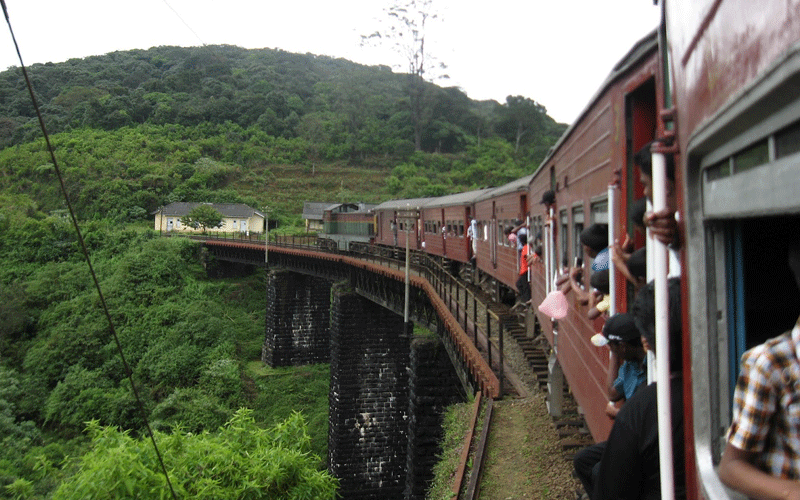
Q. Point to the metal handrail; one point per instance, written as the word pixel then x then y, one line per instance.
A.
pixel 450 288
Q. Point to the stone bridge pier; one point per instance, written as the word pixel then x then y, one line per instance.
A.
pixel 387 391
pixel 297 319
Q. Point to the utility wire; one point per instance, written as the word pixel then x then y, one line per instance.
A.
pixel 113 330
pixel 184 22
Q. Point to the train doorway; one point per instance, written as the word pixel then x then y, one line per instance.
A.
pixel 640 128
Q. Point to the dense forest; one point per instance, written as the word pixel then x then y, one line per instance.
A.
pixel 170 123
pixel 138 129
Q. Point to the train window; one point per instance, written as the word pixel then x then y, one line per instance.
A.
pixel 577 229
pixel 599 211
pixel 787 141
pixel 564 236
pixel 461 228
pixel 752 157
pixel 718 170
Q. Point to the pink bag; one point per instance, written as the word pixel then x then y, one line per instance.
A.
pixel 554 305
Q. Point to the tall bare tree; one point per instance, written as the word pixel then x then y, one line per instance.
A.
pixel 405 29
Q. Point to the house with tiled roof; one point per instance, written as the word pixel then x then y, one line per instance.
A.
pixel 236 217
pixel 313 213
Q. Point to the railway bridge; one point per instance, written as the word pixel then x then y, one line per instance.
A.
pixel 388 388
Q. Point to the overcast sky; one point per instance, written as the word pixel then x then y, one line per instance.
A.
pixel 556 52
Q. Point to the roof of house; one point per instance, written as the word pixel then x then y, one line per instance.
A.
pixel 239 210
pixel 315 209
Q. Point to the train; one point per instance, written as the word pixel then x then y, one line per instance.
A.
pixel 713 89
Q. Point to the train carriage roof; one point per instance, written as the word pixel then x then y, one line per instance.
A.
pixel 640 49
pixel 520 184
pixel 409 203
pixel 466 198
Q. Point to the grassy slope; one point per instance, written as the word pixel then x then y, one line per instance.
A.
pixel 288 186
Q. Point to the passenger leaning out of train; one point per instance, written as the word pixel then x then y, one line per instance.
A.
pixel 636 269
pixel 548 199
pixel 629 468
pixel 762 456
pixel 662 223
pixel 626 373
pixel 519 230
pixel 523 285
pixel 562 281
pixel 621 253
pixel 626 366
pixel 594 240
pixel 600 301
pixel 512 237
pixel 472 235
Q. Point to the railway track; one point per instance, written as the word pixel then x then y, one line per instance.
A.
pixel 570 426
pixel 532 354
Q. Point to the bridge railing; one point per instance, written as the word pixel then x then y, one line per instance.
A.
pixel 283 240
pixel 473 314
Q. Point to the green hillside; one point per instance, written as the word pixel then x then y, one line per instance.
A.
pixel 135 130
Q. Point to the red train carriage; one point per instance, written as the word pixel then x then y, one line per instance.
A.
pixel 595 151
pixel 735 70
pixel 391 226
pixel 496 210
pixel 445 225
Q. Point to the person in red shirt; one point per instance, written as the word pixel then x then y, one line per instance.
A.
pixel 523 285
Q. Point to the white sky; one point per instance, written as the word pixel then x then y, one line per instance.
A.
pixel 556 52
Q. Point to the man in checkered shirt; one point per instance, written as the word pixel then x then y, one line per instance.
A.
pixel 762 457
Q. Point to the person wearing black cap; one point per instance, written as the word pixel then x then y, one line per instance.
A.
pixel 548 198
pixel 626 365
pixel 629 468
pixel 625 375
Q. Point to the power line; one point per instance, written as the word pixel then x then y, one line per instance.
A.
pixel 184 22
pixel 85 251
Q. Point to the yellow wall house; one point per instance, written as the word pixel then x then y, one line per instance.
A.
pixel 236 217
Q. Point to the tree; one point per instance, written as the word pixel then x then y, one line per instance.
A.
pixel 203 216
pixel 407 33
pixel 522 117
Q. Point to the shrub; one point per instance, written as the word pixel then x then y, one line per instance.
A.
pixel 241 461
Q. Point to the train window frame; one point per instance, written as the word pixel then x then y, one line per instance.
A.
pixel 578 225
pixel 594 203
pixel 563 217
pixel 718 207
